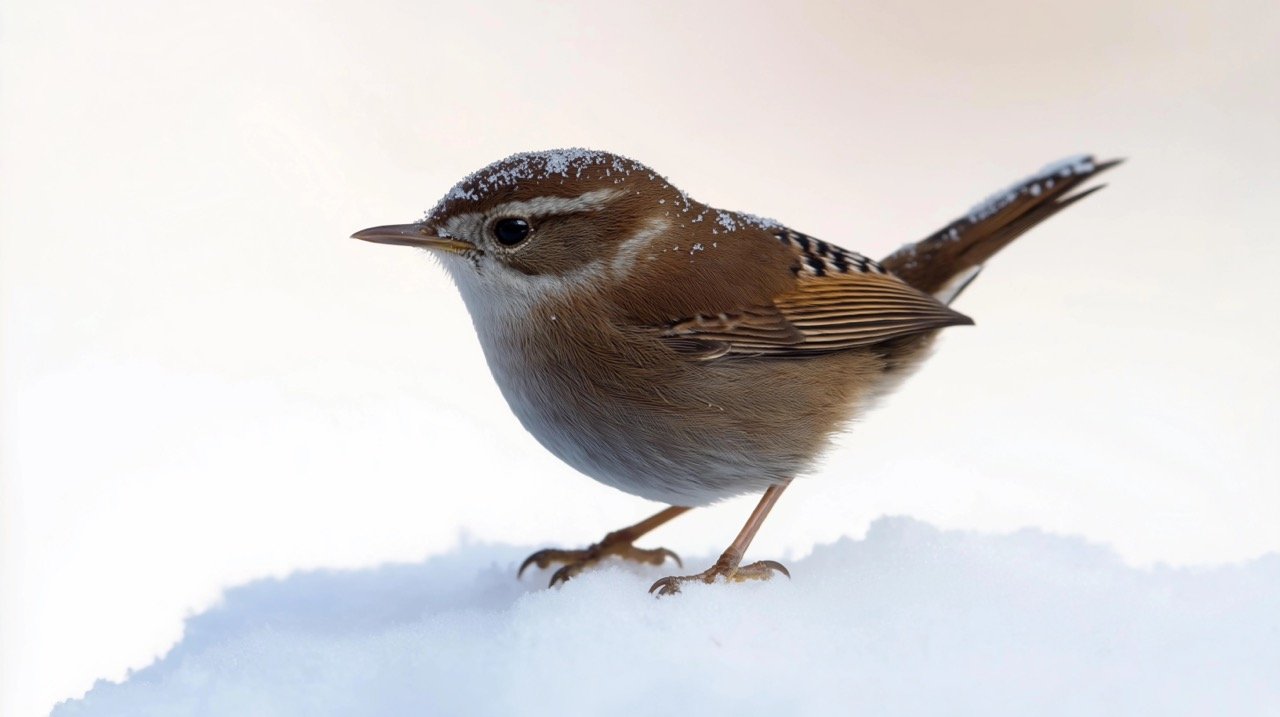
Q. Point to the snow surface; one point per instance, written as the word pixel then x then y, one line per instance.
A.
pixel 910 620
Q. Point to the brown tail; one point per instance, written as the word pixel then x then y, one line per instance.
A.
pixel 944 263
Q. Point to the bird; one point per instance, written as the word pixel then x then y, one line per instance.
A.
pixel 687 354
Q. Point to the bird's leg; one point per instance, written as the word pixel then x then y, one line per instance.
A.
pixel 727 566
pixel 617 543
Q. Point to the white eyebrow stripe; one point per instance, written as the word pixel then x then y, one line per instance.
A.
pixel 629 250
pixel 543 206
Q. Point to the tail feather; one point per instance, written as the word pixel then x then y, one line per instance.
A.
pixel 945 262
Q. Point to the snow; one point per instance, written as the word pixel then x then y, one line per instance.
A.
pixel 909 620
pixel 536 166
pixel 551 164
pixel 1067 167
pixel 1033 185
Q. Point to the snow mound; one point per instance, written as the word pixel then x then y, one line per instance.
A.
pixel 908 621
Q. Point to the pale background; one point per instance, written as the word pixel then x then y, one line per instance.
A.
pixel 205 381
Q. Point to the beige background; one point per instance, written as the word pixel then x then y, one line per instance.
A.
pixel 204 381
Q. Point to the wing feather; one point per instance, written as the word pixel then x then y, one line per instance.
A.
pixel 825 311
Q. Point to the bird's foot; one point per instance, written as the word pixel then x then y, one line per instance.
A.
pixel 575 561
pixel 728 569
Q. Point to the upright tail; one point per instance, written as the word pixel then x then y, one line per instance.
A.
pixel 944 263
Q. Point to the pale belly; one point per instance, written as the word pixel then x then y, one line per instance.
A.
pixel 687 435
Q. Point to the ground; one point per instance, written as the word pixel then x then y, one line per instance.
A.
pixel 909 620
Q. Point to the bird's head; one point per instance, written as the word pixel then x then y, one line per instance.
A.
pixel 562 218
pixel 559 213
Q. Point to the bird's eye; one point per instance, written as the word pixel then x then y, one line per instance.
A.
pixel 510 232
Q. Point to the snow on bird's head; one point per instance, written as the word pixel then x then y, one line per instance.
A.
pixel 575 172
pixel 555 172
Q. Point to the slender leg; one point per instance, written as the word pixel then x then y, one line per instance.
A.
pixel 616 543
pixel 728 564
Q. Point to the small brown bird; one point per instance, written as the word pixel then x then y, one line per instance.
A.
pixel 687 354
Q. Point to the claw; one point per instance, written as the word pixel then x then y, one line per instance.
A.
pixel 563 574
pixel 775 565
pixel 544 558
pixel 575 561
pixel 665 586
pixel 665 553
pixel 761 570
pixel 655 556
pixel 527 562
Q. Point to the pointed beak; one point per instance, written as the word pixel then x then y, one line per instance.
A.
pixel 412 235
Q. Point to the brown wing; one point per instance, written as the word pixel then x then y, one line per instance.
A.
pixel 839 300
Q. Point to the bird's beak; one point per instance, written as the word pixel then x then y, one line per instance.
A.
pixel 412 235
